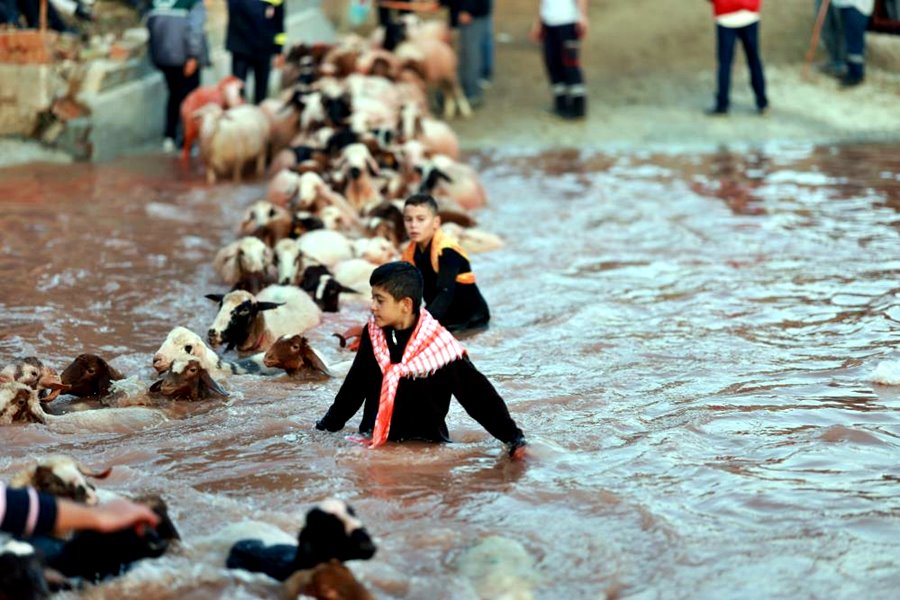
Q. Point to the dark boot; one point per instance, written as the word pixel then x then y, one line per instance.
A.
pixel 577 107
pixel 561 105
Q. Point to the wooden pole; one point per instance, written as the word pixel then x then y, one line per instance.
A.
pixel 427 6
pixel 814 42
pixel 43 19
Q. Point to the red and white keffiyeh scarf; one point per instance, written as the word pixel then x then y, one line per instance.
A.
pixel 430 347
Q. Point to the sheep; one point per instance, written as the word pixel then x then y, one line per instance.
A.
pixel 226 93
pixel 230 139
pixel 22 572
pixel 288 261
pixel 187 379
pixel 376 250
pixel 90 375
pixel 443 176
pixel 296 357
pixel 473 239
pixel 244 264
pixel 61 476
pixel 326 581
pixel 324 289
pixel 267 221
pixel 20 403
pixel 94 556
pixel 325 247
pixel 358 167
pixel 252 323
pixel 32 372
pixel 184 343
pixel 331 531
pixel 436 136
pixel 355 274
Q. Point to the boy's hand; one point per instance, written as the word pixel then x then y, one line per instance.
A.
pixel 581 27
pixel 537 31
pixel 516 448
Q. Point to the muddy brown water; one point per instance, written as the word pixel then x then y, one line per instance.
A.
pixel 686 338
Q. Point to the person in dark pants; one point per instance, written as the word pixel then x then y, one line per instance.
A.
pixel 255 34
pixel 475 24
pixel 178 48
pixel 406 370
pixel 833 40
pixel 561 26
pixel 738 20
pixel 855 18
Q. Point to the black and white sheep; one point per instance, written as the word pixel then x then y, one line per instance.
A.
pixel 181 342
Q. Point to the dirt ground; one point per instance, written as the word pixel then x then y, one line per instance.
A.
pixel 650 74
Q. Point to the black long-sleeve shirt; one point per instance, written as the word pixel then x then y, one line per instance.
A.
pixel 455 305
pixel 255 27
pixel 421 404
pixel 25 511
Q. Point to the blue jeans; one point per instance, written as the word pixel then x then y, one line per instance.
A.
pixel 487 51
pixel 726 38
pixel 833 35
pixel 855 35
pixel 471 55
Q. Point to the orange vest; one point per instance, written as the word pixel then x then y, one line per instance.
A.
pixel 439 242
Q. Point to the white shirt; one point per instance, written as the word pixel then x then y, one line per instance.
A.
pixel 741 18
pixel 559 12
pixel 864 6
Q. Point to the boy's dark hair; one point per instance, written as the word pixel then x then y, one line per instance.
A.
pixel 422 200
pixel 400 280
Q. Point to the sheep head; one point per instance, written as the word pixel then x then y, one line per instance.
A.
pixel 89 375
pixel 62 476
pixel 294 354
pixel 187 379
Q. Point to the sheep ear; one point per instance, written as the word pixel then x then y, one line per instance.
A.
pixel 344 289
pixel 316 361
pixel 215 297
pixel 114 374
pixel 261 306
pixel 441 175
pixel 156 387
pixel 373 166
pixel 211 384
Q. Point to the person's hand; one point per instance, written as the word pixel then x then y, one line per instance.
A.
pixel 278 62
pixel 121 513
pixel 465 18
pixel 537 31
pixel 581 27
pixel 516 448
pixel 190 67
pixel 320 425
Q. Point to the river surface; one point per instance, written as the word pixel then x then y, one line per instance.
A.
pixel 687 339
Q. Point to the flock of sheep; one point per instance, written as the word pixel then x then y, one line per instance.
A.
pixel 351 136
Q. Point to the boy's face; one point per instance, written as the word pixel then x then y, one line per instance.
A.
pixel 420 223
pixel 388 311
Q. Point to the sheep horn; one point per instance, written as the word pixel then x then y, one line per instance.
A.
pixel 87 473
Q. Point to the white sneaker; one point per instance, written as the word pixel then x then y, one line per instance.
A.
pixel 168 145
pixel 485 84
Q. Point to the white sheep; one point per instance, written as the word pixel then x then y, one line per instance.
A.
pixel 245 264
pixel 230 139
pixel 358 167
pixel 325 246
pixel 267 221
pixel 289 261
pixel 252 323
pixel 181 342
pixel 444 177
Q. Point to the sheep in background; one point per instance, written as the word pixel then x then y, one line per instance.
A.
pixel 358 167
pixel 325 582
pixel 20 403
pixel 444 177
pixel 90 375
pixel 244 264
pixel 288 261
pixel 267 221
pixel 32 372
pixel 226 93
pixel 252 323
pixel 325 247
pixel 61 476
pixel 325 290
pixel 231 139
pixel 22 572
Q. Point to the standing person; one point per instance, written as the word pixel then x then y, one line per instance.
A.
pixel 833 40
pixel 561 26
pixel 474 23
pixel 406 369
pixel 450 292
pixel 178 48
pixel 855 18
pixel 255 34
pixel 738 20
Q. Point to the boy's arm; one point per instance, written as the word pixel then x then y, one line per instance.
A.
pixel 353 391
pixel 449 265
pixel 482 402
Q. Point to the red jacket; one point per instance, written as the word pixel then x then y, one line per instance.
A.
pixel 724 7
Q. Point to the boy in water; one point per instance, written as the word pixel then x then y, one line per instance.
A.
pixel 406 369
pixel 450 292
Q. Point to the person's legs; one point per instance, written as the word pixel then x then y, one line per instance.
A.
pixel 487 50
pixel 240 67
pixel 572 74
pixel 262 66
pixel 833 39
pixel 725 38
pixel 855 31
pixel 553 61
pixel 750 40
pixel 470 51
pixel 173 76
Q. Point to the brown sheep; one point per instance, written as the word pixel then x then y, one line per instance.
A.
pixel 296 357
